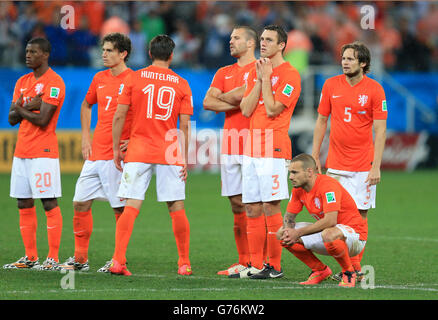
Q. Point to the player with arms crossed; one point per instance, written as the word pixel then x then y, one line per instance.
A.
pixel 357 106
pixel 99 178
pixel 243 41
pixel 272 91
pixel 339 230
pixel 159 98
pixel 37 101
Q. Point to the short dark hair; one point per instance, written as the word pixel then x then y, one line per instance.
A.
pixel 161 47
pixel 281 34
pixel 306 159
pixel 120 42
pixel 43 43
pixel 250 33
pixel 361 52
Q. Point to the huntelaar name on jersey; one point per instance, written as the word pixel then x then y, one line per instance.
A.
pixel 159 76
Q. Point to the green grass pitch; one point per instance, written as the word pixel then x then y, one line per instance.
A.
pixel 402 249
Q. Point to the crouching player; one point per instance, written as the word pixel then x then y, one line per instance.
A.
pixel 339 230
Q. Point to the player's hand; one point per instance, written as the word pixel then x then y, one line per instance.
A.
pixel 373 176
pixel 86 149
pixel 266 68
pixel 118 159
pixel 19 101
pixel 34 103
pixel 290 236
pixel 318 163
pixel 183 173
pixel 259 69
pixel 124 145
pixel 280 232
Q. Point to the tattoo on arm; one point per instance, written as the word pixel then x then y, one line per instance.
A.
pixel 289 220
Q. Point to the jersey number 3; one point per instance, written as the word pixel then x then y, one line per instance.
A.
pixel 164 100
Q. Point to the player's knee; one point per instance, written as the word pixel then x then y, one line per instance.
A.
pixel 175 205
pixel 271 208
pixel 82 206
pixel 331 234
pixel 49 204
pixel 236 204
pixel 254 210
pixel 25 203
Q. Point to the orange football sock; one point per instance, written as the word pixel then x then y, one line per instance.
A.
pixel 355 261
pixel 256 233
pixel 273 223
pixel 338 249
pixel 181 231
pixel 54 231
pixel 28 227
pixel 265 246
pixel 241 238
pixel 124 228
pixel 82 229
pixel 306 256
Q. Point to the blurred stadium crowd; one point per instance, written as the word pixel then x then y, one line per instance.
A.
pixel 405 37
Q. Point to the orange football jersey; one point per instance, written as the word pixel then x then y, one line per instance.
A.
pixel 352 111
pixel 328 195
pixel 157 96
pixel 269 137
pixel 235 124
pixel 104 90
pixel 34 141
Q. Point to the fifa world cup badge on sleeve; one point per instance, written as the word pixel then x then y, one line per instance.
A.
pixel 54 92
pixel 330 196
pixel 384 107
pixel 287 91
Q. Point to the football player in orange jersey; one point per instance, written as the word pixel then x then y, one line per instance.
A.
pixel 357 107
pixel 243 41
pixel 99 178
pixel 339 230
pixel 159 98
pixel 37 101
pixel 272 91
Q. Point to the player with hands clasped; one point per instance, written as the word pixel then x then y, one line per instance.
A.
pixel 339 230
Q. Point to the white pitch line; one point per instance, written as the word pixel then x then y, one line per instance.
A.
pixel 404 238
pixel 293 287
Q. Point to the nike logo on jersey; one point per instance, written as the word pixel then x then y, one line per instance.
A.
pixel 100 87
pixel 334 97
pixel 228 77
pixel 274 193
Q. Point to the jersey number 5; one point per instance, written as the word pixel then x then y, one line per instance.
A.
pixel 347 114
pixel 164 100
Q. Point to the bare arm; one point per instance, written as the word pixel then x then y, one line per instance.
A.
pixel 290 236
pixel 85 128
pixel 40 119
pixel 118 123
pixel 14 117
pixel 288 222
pixel 379 145
pixel 273 108
pixel 184 126
pixel 318 137
pixel 233 97
pixel 249 103
pixel 214 102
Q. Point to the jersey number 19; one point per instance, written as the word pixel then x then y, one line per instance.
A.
pixel 164 100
